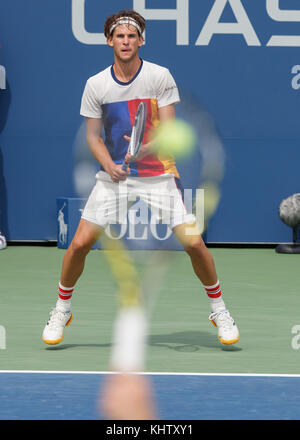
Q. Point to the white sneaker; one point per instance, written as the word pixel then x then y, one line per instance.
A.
pixel 228 332
pixel 54 329
pixel 3 243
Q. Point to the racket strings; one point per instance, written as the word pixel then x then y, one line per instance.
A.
pixel 123 270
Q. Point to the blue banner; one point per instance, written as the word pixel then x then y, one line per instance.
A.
pixel 238 59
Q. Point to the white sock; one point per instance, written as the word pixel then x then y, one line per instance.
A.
pixel 64 305
pixel 215 296
pixel 217 305
pixel 64 298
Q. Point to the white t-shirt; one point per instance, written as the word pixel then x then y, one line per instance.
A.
pixel 116 102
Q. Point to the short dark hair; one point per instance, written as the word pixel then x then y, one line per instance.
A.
pixel 124 13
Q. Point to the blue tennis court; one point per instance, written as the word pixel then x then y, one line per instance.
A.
pixel 74 396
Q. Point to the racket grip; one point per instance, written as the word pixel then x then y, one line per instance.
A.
pixel 125 166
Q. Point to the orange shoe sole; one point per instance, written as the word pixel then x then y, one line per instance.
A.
pixel 223 341
pixel 57 341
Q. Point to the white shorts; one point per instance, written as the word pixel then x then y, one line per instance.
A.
pixel 109 202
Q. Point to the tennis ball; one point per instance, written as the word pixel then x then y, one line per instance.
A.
pixel 174 137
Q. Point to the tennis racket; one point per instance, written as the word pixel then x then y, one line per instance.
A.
pixel 137 134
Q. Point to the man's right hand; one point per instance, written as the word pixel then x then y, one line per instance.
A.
pixel 116 173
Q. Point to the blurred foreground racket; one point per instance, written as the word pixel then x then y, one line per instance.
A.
pixel 137 292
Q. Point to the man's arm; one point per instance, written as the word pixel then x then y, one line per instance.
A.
pixel 100 152
pixel 167 112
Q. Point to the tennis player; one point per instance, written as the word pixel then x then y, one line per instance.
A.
pixel 2 241
pixel 110 100
pixel 2 87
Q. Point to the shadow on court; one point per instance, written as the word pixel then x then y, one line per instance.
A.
pixel 189 341
pixel 185 342
pixel 68 346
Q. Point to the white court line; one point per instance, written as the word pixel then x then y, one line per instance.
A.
pixel 150 373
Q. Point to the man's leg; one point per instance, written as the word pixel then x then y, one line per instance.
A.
pixel 73 264
pixel 201 258
pixel 204 267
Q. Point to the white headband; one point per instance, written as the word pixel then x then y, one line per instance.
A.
pixel 125 20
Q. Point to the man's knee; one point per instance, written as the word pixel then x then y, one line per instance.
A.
pixel 84 238
pixel 195 246
pixel 80 246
